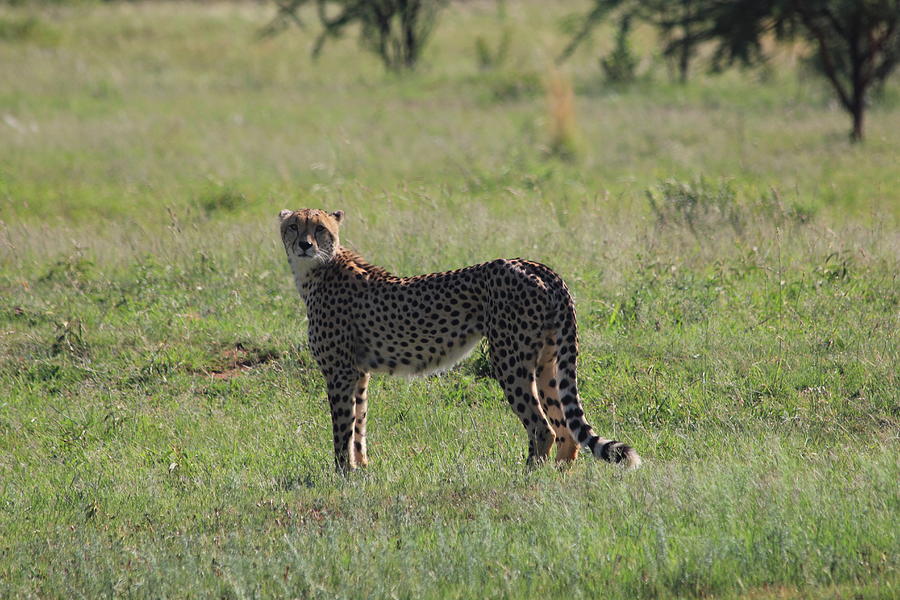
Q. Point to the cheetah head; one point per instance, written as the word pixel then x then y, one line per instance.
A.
pixel 310 234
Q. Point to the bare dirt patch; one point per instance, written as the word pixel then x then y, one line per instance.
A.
pixel 241 358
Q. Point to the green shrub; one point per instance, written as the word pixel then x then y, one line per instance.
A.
pixel 703 207
pixel 620 66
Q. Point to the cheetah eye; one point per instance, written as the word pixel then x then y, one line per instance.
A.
pixel 292 227
pixel 320 229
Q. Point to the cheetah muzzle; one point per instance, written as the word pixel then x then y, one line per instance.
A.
pixel 363 320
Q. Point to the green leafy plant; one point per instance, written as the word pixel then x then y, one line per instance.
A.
pixel 620 66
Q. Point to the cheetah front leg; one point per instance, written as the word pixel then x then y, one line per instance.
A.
pixel 360 408
pixel 342 390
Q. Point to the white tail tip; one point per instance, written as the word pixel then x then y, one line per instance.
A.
pixel 632 460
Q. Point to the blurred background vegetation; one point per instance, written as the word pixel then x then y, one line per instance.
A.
pixel 652 96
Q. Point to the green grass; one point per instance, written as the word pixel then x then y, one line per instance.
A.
pixel 163 427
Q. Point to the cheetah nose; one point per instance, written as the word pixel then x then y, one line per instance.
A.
pixel 304 245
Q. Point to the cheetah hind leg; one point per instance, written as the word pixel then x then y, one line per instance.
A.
pixel 518 382
pixel 548 393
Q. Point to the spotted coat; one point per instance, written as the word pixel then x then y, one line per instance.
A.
pixel 363 320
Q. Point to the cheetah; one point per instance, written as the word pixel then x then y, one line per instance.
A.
pixel 363 320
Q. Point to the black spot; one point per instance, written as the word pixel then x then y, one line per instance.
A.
pixel 574 413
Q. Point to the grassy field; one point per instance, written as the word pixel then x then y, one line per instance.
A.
pixel 164 430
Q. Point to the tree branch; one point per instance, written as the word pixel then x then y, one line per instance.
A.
pixel 827 62
pixel 590 21
pixel 287 11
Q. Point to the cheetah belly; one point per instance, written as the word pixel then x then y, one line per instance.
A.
pixel 453 356
pixel 429 364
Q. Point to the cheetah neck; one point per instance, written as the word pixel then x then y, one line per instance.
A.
pixel 308 272
pixel 305 273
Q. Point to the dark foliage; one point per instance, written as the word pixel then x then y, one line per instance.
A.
pixel 680 23
pixel 856 42
pixel 395 30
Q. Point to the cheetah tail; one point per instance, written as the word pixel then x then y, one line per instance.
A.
pixel 614 452
pixel 609 450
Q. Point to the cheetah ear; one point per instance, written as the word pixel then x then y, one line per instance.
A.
pixel 284 214
pixel 338 215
